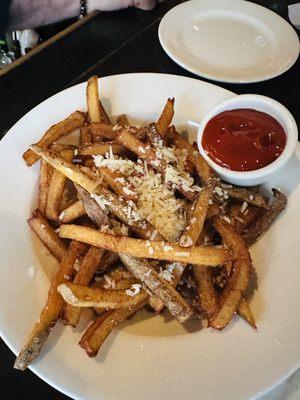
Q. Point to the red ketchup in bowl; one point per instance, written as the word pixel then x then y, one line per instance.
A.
pixel 243 139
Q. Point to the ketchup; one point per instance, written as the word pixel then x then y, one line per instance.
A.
pixel 243 139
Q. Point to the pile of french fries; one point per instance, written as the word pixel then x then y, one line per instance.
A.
pixel 115 262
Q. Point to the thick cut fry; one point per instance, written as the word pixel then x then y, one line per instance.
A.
pixel 99 330
pixel 165 118
pixel 47 235
pixel 101 149
pixel 205 292
pixel 96 111
pixel 262 224
pixel 161 289
pixel 196 219
pixel 245 312
pixel 239 277
pixel 119 184
pixel 86 136
pixel 56 188
pixel 122 120
pixel 74 121
pixel 193 155
pixel 74 211
pixel 45 176
pixel 207 255
pixel 147 154
pixel 247 195
pixel 51 311
pixel 84 276
pixel 84 296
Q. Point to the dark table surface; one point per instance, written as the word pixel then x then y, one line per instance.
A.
pixel 111 43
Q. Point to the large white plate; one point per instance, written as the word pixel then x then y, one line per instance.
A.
pixel 229 40
pixel 149 357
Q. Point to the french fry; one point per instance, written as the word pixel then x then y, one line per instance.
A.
pixel 246 195
pixel 193 155
pixel 245 312
pixel 101 149
pixel 262 224
pixel 148 155
pixel 86 136
pixel 205 292
pixel 84 296
pixel 206 255
pixel 99 330
pixel 161 289
pixel 84 276
pixel 51 311
pixel 47 235
pixel 96 214
pixel 242 220
pixel 119 184
pixel 108 260
pixel 96 110
pixel 74 211
pixel 72 122
pixel 239 278
pixel 102 131
pixel 56 188
pixel 122 120
pixel 165 118
pixel 45 176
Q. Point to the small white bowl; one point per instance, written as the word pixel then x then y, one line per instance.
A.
pixel 259 103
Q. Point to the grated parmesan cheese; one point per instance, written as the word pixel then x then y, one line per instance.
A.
pixel 244 207
pixel 134 290
pixel 110 283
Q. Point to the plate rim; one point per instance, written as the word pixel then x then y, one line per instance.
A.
pixel 219 78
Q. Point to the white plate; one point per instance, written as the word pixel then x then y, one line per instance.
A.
pixel 149 357
pixel 229 40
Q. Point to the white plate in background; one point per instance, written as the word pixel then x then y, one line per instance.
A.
pixel 229 40
pixel 149 357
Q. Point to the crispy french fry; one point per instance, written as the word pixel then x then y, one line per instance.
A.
pixel 108 261
pixel 247 195
pixel 242 220
pixel 103 131
pixel 193 155
pixel 47 235
pixel 96 110
pixel 86 136
pixel 101 149
pixel 96 213
pixel 239 278
pixel 45 176
pixel 245 312
pixel 51 311
pixel 262 224
pixel 84 276
pixel 196 219
pixel 84 296
pixel 205 292
pixel 207 255
pixel 98 331
pixel 161 289
pixel 56 188
pixel 74 211
pixel 122 120
pixel 72 122
pixel 166 117
pixel 147 154
pixel 119 184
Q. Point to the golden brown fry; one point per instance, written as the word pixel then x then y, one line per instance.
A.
pixel 157 286
pixel 84 296
pixel 47 235
pixel 122 120
pixel 74 211
pixel 86 136
pixel 239 278
pixel 72 122
pixel 119 184
pixel 262 224
pixel 56 188
pixel 84 276
pixel 96 110
pixel 51 311
pixel 196 219
pixel 101 149
pixel 207 255
pixel 246 195
pixel 45 176
pixel 98 331
pixel 205 292
pixel 245 312
pixel 165 118
pixel 148 155
pixel 102 131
